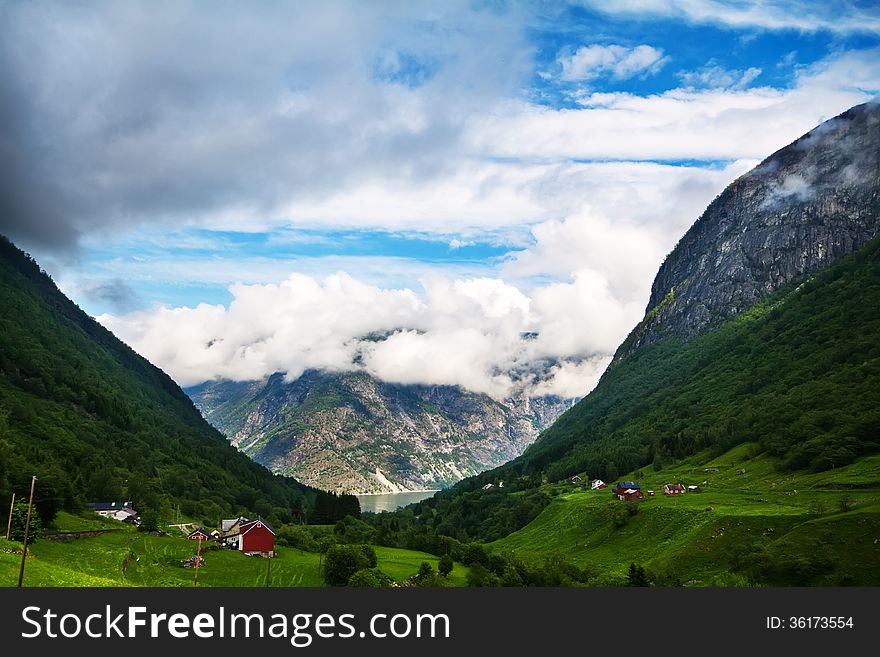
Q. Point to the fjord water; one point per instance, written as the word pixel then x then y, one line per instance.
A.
pixel 391 501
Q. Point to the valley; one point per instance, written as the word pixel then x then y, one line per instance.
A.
pixel 350 432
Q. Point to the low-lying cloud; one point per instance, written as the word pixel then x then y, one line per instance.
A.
pixel 476 333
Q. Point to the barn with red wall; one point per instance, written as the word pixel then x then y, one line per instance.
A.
pixel 257 536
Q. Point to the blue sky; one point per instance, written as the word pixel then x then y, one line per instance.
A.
pixel 491 167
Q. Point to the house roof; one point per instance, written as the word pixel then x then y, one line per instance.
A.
pixel 247 526
pixel 630 491
pixel 629 484
pixel 109 506
pixel 199 530
pixel 226 525
pixel 675 486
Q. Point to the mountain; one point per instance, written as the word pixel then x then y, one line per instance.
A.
pixel 763 328
pixel 94 421
pixel 801 209
pixel 349 431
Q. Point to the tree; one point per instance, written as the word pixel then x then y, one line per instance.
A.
pixel 426 575
pixel 343 561
pixel 19 521
pixel 445 566
pixel 479 575
pixel 637 576
pixel 150 518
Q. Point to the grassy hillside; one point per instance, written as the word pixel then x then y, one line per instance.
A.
pixel 155 561
pixel 749 524
pixel 95 421
pixel 798 373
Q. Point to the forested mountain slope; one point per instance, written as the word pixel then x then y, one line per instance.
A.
pixel 95 421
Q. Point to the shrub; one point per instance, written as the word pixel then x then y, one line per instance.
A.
pixel 445 566
pixel 343 561
pixel 369 578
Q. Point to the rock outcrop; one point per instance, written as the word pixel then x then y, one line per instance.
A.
pixel 351 432
pixel 805 206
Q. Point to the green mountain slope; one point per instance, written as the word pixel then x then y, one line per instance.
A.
pixel 798 373
pixel 748 525
pixel 95 421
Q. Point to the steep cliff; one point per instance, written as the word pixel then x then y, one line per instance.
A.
pixel 352 432
pixel 801 209
pixel 762 327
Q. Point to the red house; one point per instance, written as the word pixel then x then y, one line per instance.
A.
pixel 673 489
pixel 628 490
pixel 199 534
pixel 630 494
pixel 257 537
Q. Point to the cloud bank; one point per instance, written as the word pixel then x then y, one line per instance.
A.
pixel 123 119
pixel 476 333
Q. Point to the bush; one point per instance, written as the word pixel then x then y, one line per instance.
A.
pixel 19 520
pixel 479 575
pixel 370 578
pixel 297 536
pixel 445 566
pixel 343 561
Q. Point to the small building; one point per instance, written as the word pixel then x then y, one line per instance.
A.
pixel 230 530
pixel 629 494
pixel 575 480
pixel 623 485
pixel 673 489
pixel 489 486
pixel 123 511
pixel 650 493
pixel 199 534
pixel 257 537
pixel 693 489
pixel 597 484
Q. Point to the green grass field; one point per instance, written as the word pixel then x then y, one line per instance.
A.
pixel 155 561
pixel 793 528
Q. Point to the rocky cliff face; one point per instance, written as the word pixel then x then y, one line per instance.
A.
pixel 801 209
pixel 351 432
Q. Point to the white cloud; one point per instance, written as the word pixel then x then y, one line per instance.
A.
pixel 572 379
pixel 456 243
pixel 466 331
pixel 600 229
pixel 620 62
pixel 680 124
pixel 714 75
pixel 804 15
pixel 297 129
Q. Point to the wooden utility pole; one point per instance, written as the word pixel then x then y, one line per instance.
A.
pixel 198 558
pixel 9 522
pixel 27 529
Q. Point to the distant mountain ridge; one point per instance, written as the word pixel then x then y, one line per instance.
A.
pixel 352 432
pixel 803 208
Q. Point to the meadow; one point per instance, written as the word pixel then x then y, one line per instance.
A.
pixel 125 557
pixel 748 524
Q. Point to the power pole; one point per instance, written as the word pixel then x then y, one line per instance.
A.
pixel 27 529
pixel 198 558
pixel 9 522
